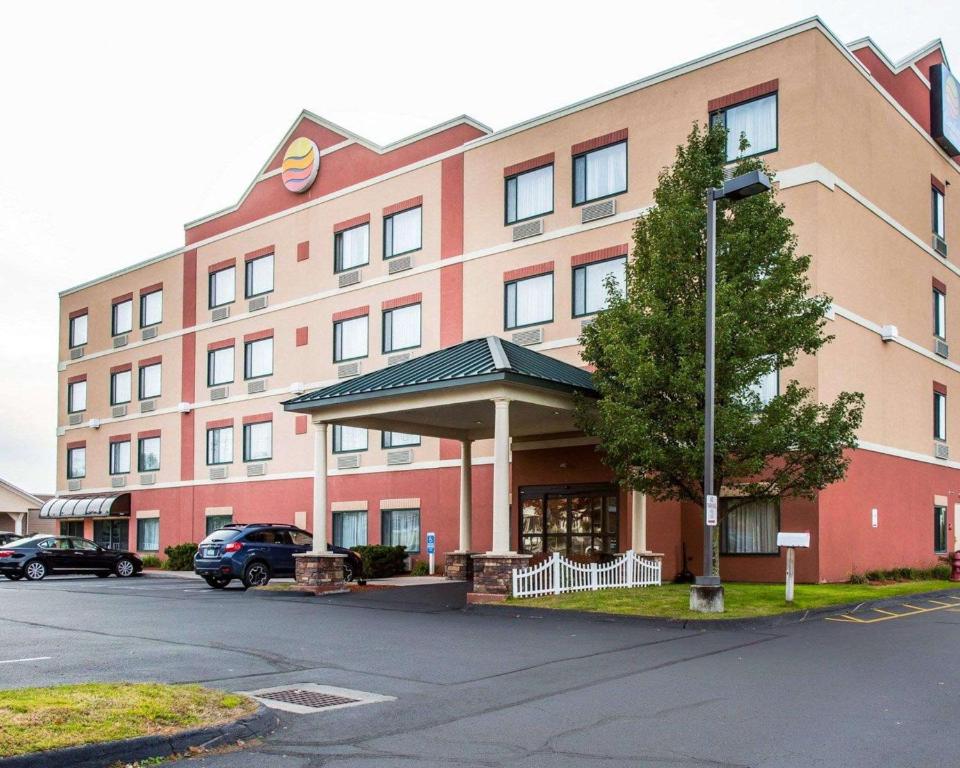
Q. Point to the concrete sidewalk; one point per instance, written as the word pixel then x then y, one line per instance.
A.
pixel 393 581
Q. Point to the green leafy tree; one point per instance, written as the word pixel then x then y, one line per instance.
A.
pixel 647 348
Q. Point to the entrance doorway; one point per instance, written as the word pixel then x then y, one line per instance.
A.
pixel 112 534
pixel 570 519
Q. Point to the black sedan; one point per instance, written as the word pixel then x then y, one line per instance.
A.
pixel 6 538
pixel 39 555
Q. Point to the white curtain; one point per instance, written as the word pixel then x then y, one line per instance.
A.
pixel 221 364
pixel 151 308
pixel 77 459
pixel 220 445
pixel 767 387
pixel 122 317
pixel 352 338
pixel 150 381
pixel 758 120
pixel 350 529
pixel 607 171
pixel 402 329
pixel 259 441
pixel 223 287
pixel 78 396
pixel 354 247
pixel 121 387
pixel 120 458
pixel 260 358
pixel 403 529
pixel 531 302
pixel 350 439
pixel 399 439
pixel 534 192
pixel 590 284
pixel 260 275
pixel 751 528
pixel 405 232
pixel 78 331
pixel 149 535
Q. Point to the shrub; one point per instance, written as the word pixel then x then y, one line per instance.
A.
pixel 858 578
pixel 937 572
pixel 180 557
pixel 151 561
pixel 381 561
pixel 420 568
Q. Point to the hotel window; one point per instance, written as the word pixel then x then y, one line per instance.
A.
pixel 258 441
pixel 148 534
pixel 756 119
pixel 351 248
pixel 72 528
pixel 751 529
pixel 939 314
pixel 223 287
pixel 349 529
pixel 149 384
pixel 77 397
pixel 151 308
pixel 600 173
pixel 936 210
pixel 401 328
pixel 219 366
pixel 78 331
pixel 401 528
pixel 529 301
pixel 398 440
pixel 259 276
pixel 258 358
pixel 148 454
pixel 571 521
pixel 590 284
pixel 940 530
pixel 529 194
pixel 220 445
pixel 120 387
pixel 767 386
pixel 401 233
pixel 122 321
pixel 349 439
pixel 76 463
pixel 216 522
pixel 939 416
pixel 350 338
pixel 120 457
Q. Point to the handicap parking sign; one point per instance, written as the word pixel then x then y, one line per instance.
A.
pixel 431 543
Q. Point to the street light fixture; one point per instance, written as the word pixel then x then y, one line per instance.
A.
pixel 738 188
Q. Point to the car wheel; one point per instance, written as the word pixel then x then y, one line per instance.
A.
pixel 14 576
pixel 347 571
pixel 257 574
pixel 124 568
pixel 34 570
pixel 217 582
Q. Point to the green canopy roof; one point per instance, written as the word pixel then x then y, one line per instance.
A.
pixel 483 360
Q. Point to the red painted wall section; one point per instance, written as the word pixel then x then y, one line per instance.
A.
pixel 451 277
pixel 188 357
pixel 905 86
pixel 902 491
pixel 342 168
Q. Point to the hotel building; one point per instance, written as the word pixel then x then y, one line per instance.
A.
pixel 343 259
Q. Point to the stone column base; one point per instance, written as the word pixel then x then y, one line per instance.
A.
pixel 458 566
pixel 706 598
pixel 493 573
pixel 321 573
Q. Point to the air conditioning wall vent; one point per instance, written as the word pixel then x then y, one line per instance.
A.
pixel 256 470
pixel 76 418
pixel 76 353
pixel 118 481
pixel 219 393
pixel 346 279
pixel 399 264
pixel 598 210
pixel 397 359
pixel 148 478
pixel 941 450
pixel 528 229
pixel 940 245
pixel 399 457
pixel 942 348
pixel 73 485
pixel 257 303
pixel 149 333
pixel 346 370
pixel 257 385
pixel 220 313
pixel 146 406
pixel 118 410
pixel 218 473
pixel 120 341
pixel 528 337
pixel 349 461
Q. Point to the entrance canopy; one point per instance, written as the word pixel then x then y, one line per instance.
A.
pixel 116 504
pixel 448 393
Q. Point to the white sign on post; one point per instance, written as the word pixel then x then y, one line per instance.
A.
pixel 711 510
pixel 431 550
pixel 791 541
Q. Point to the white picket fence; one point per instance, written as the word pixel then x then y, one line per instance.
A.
pixel 558 574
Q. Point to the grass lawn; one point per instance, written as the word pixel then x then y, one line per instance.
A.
pixel 741 600
pixel 35 719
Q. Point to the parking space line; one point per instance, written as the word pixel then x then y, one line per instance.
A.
pixel 912 610
pixel 32 658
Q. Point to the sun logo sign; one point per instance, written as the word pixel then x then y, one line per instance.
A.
pixel 300 165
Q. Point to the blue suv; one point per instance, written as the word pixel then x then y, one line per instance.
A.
pixel 256 552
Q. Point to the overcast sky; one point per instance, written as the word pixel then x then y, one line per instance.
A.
pixel 118 123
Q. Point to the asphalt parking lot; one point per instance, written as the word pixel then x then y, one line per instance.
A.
pixel 510 687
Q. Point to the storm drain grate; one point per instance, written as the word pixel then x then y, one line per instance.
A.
pixel 303 698
pixel 308 698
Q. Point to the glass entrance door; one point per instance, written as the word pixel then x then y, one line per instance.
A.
pixel 112 534
pixel 571 520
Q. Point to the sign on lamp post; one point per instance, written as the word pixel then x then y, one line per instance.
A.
pixel 431 550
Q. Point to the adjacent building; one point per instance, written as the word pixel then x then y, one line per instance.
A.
pixel 343 258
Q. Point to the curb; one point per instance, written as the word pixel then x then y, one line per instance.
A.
pixel 760 622
pixel 107 753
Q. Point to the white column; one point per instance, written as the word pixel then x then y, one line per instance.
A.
pixel 638 527
pixel 319 488
pixel 466 500
pixel 18 522
pixel 501 477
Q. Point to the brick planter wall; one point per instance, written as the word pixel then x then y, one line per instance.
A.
pixel 320 574
pixel 493 574
pixel 458 566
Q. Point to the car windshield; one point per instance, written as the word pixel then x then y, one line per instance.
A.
pixel 220 535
